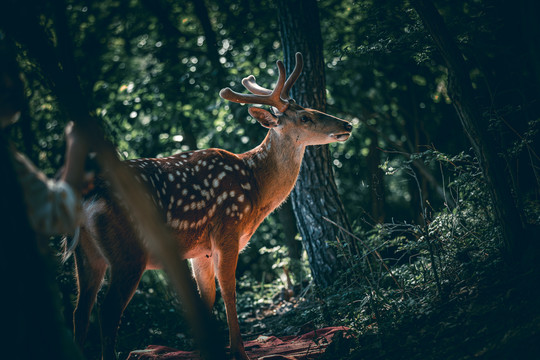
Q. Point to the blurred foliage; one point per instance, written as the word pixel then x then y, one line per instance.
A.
pixel 408 180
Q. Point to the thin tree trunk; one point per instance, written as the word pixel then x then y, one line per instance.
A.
pixel 461 92
pixel 287 220
pixel 211 40
pixel 376 180
pixel 315 195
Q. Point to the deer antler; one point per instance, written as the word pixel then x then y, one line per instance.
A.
pixel 293 77
pixel 278 98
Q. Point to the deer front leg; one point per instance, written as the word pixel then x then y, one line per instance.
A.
pixel 225 263
pixel 203 269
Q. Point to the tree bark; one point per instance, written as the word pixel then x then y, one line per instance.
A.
pixel 315 195
pixel 460 90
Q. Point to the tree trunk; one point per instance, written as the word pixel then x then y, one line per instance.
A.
pixel 31 317
pixel 315 195
pixel 211 40
pixel 287 219
pixel 463 98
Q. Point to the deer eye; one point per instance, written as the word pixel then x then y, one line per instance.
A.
pixel 305 119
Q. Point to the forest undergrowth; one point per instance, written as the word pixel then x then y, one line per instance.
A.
pixel 439 289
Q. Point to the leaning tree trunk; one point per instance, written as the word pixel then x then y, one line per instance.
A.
pixel 463 98
pixel 32 323
pixel 315 195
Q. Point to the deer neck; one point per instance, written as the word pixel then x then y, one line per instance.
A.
pixel 275 163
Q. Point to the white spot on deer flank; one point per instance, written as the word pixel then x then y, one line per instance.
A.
pixel 212 210
pixel 215 183
pixel 183 225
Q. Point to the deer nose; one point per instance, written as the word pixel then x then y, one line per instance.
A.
pixel 348 127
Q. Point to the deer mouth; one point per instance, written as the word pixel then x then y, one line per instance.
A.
pixel 341 136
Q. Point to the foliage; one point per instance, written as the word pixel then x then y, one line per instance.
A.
pixel 407 272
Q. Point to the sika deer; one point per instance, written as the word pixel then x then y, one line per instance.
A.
pixel 212 200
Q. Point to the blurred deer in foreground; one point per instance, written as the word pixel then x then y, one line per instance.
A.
pixel 212 201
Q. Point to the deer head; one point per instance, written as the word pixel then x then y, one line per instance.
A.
pixel 306 126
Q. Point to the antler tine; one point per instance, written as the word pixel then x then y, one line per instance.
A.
pixel 259 94
pixel 250 83
pixel 293 77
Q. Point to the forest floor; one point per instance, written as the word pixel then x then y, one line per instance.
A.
pixel 492 313
pixel 495 315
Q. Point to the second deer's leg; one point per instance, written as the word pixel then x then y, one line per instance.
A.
pixel 90 269
pixel 203 269
pixel 124 279
pixel 225 263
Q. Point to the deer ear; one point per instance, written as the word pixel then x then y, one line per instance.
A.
pixel 264 117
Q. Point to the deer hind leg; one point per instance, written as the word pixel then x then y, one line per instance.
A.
pixel 124 279
pixel 203 269
pixel 225 264
pixel 90 267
